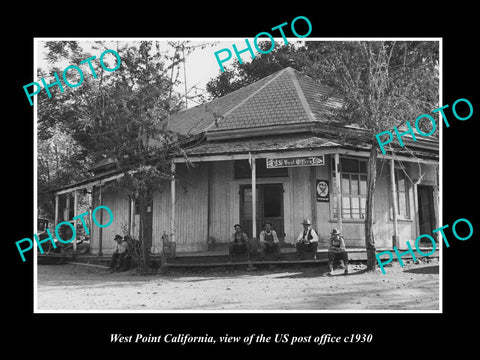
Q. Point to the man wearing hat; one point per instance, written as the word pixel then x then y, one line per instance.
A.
pixel 119 254
pixel 307 240
pixel 239 241
pixel 336 250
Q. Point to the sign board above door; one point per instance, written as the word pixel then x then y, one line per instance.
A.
pixel 295 161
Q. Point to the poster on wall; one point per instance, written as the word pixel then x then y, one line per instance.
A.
pixel 323 191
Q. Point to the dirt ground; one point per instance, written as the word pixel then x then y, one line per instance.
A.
pixel 75 287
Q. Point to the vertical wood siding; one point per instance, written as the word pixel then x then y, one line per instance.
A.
pixel 300 199
pixel 161 215
pixel 118 203
pixel 195 222
pixel 224 201
pixel 324 225
pixel 191 207
pixel 191 216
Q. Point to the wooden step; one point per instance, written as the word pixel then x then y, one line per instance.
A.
pixel 220 258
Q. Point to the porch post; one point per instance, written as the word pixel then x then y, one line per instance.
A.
pixel 394 203
pixel 172 218
pixel 313 198
pixel 66 210
pixel 415 208
pixel 56 210
pixel 75 213
pixel 436 198
pixel 90 210
pixel 254 198
pixel 339 192
pixel 209 201
pixel 132 217
pixel 100 230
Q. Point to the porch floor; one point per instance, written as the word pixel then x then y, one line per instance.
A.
pixel 215 258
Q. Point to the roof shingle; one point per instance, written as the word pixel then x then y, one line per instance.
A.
pixel 282 98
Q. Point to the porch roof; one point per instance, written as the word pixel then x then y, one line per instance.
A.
pixel 256 145
pixel 302 144
pixel 99 179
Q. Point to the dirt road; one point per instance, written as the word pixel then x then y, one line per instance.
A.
pixel 74 287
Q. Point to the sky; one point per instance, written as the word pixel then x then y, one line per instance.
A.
pixel 201 65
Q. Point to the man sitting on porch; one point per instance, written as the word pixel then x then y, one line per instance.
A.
pixel 307 240
pixel 336 250
pixel 269 242
pixel 239 242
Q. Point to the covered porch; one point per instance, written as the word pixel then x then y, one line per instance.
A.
pixel 211 192
pixel 286 173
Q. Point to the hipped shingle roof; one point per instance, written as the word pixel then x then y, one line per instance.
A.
pixel 282 98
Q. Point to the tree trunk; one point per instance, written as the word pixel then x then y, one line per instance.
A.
pixel 145 243
pixel 370 208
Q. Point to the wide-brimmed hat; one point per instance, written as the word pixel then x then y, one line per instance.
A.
pixel 335 232
pixel 306 222
pixel 240 226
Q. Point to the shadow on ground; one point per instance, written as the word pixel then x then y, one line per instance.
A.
pixel 434 269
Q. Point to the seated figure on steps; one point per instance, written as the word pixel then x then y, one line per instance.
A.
pixel 336 250
pixel 307 240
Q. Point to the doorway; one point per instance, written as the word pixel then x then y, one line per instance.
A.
pixel 426 211
pixel 269 208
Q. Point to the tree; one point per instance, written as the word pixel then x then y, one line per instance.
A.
pixel 382 83
pixel 59 162
pixel 121 115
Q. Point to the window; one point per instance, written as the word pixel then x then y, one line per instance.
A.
pixel 353 185
pixel 403 207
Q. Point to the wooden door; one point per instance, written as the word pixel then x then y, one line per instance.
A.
pixel 269 208
pixel 272 208
pixel 426 212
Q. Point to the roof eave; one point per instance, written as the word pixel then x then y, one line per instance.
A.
pixel 260 131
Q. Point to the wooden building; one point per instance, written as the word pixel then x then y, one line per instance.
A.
pixel 280 136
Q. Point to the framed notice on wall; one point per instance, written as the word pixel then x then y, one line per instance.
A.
pixel 323 191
